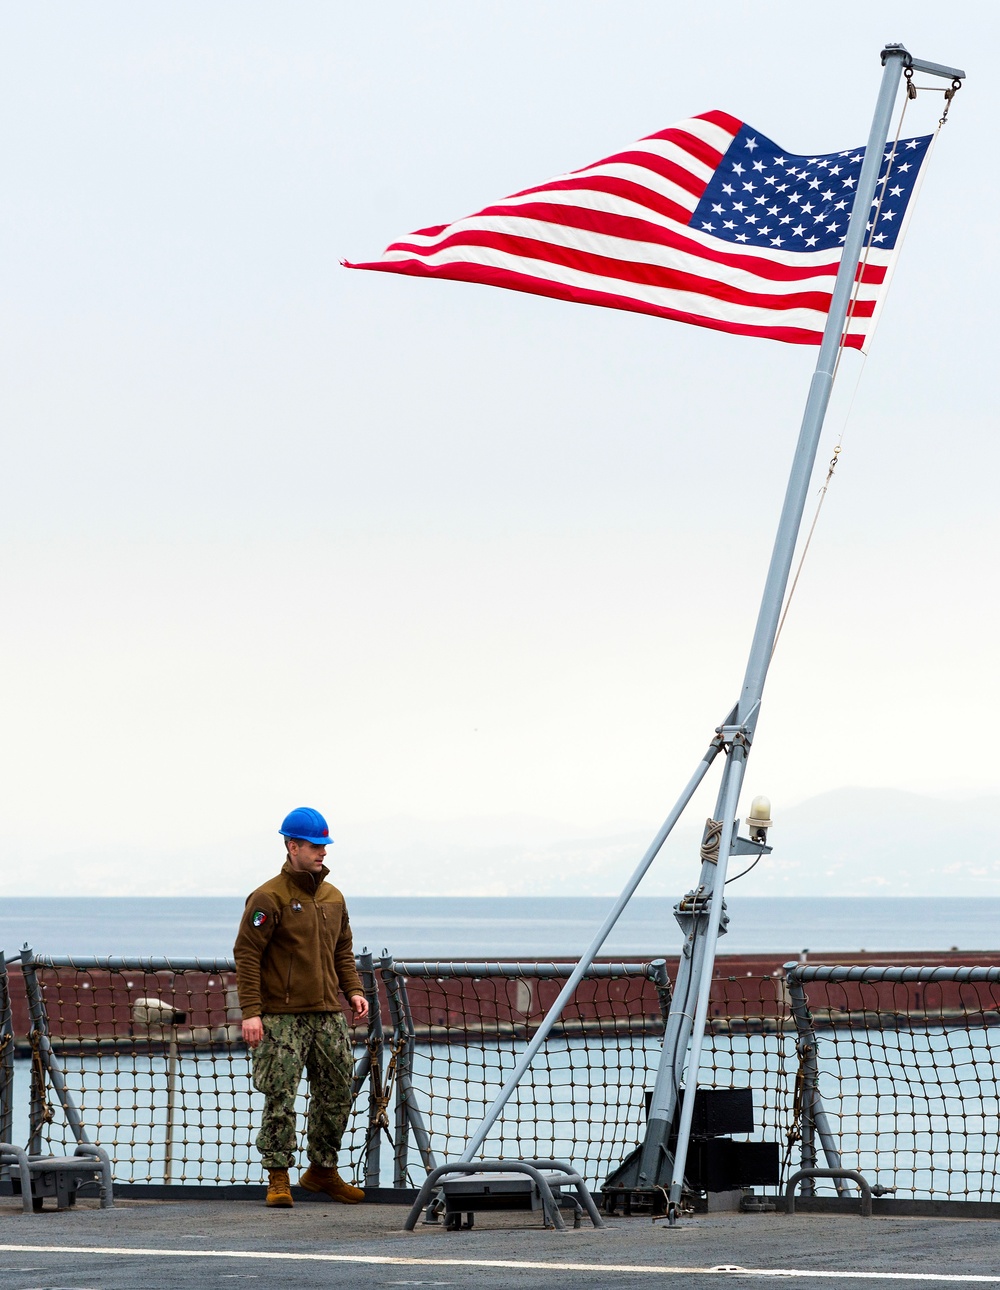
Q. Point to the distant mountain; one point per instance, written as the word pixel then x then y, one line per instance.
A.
pixel 850 842
pixel 859 841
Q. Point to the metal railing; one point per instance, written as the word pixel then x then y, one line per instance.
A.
pixel 898 1077
pixel 892 1072
pixel 145 1057
pixel 459 1028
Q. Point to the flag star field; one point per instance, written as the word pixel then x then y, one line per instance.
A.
pixel 763 196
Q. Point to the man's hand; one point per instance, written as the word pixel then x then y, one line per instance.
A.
pixel 253 1031
pixel 359 1006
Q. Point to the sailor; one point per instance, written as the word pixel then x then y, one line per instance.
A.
pixel 294 957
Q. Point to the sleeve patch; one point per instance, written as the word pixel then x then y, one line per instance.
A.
pixel 259 918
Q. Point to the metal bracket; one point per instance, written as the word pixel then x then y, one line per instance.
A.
pixel 735 734
pixel 693 903
pixel 921 64
pixel 747 847
pixel 696 905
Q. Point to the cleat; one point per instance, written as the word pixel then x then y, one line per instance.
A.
pixel 317 1178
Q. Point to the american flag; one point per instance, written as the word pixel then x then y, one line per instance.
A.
pixel 707 222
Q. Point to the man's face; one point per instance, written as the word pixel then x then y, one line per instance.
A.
pixel 306 857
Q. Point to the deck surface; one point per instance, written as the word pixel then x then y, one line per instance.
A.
pixel 151 1245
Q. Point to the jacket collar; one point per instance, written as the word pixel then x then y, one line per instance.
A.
pixel 310 882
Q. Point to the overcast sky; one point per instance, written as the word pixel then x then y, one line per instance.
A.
pixel 275 532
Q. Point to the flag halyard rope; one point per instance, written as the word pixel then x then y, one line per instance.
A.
pixel 911 93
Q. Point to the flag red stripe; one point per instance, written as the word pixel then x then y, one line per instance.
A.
pixel 614 187
pixel 731 124
pixel 662 166
pixel 690 143
pixel 698 148
pixel 560 291
pixel 633 229
pixel 624 271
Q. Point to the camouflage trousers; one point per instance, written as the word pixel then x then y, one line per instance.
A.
pixel 317 1041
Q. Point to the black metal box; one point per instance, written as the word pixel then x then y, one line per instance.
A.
pixel 720 1164
pixel 712 1165
pixel 758 1163
pixel 717 1111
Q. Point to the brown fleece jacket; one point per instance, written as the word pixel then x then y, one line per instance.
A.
pixel 294 951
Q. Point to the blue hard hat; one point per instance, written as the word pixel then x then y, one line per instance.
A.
pixel 307 825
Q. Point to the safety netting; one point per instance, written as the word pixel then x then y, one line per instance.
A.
pixel 155 1068
pixel 892 1071
pixel 149 1057
pixel 906 1065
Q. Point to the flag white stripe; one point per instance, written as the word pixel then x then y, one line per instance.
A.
pixel 642 178
pixel 594 199
pixel 667 150
pixel 609 203
pixel 629 251
pixel 689 302
pixel 716 136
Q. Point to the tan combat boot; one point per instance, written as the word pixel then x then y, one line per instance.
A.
pixel 279 1194
pixel 316 1178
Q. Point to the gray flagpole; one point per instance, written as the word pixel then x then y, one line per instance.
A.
pixel 736 734
pixel 894 59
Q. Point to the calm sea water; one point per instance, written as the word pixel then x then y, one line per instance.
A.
pixel 536 927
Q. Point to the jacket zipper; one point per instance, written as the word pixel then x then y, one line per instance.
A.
pixel 288 980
